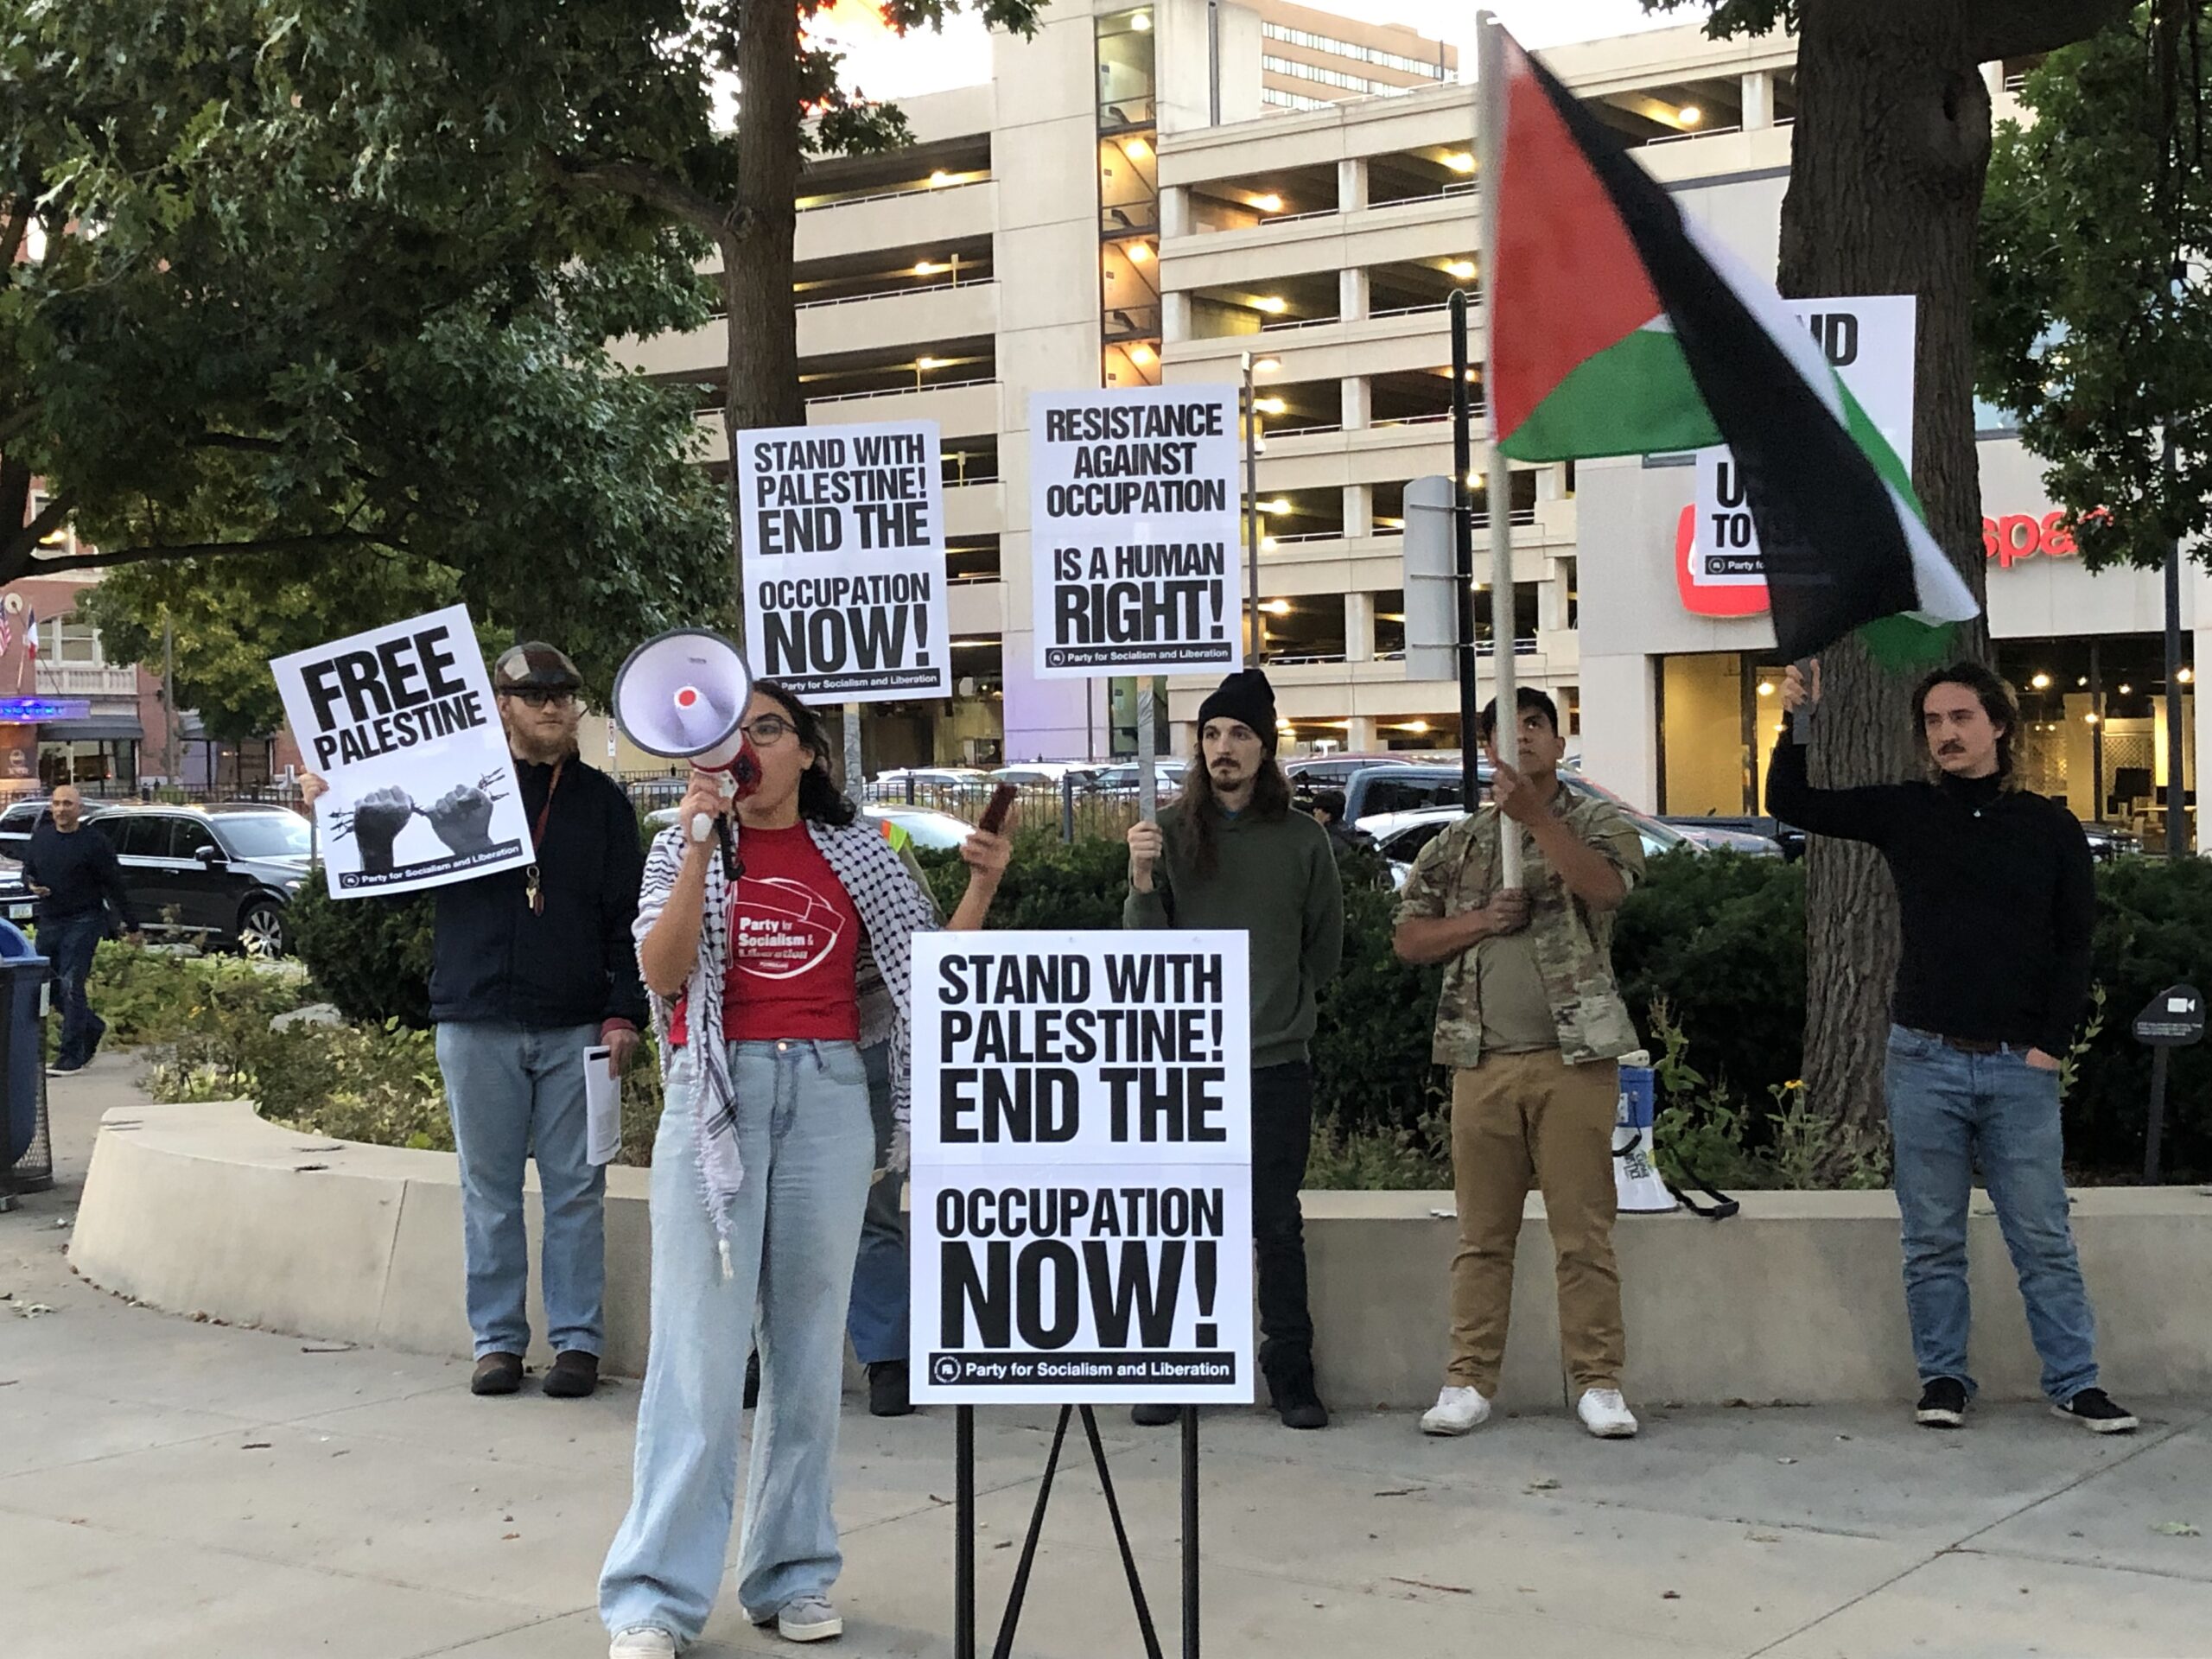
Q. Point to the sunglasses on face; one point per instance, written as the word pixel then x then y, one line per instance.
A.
pixel 538 697
pixel 768 730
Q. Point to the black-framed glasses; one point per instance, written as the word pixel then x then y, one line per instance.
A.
pixel 768 729
pixel 539 697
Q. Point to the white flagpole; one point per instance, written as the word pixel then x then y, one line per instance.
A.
pixel 1489 136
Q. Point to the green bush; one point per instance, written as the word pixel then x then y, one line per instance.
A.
pixel 1721 938
pixel 371 957
pixel 160 995
pixel 2154 929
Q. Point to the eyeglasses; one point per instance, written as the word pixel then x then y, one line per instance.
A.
pixel 538 697
pixel 767 730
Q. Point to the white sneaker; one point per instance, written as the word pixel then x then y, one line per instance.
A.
pixel 1457 1411
pixel 642 1642
pixel 811 1618
pixel 1605 1414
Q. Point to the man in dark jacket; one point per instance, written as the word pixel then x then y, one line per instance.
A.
pixel 74 875
pixel 530 969
pixel 1996 905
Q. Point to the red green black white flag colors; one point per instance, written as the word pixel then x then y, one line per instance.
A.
pixel 1619 328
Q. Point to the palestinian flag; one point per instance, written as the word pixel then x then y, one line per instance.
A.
pixel 1620 329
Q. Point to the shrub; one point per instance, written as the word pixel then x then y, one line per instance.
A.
pixel 1720 938
pixel 371 957
pixel 159 995
pixel 2154 929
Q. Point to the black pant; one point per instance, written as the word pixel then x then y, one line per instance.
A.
pixel 1282 1127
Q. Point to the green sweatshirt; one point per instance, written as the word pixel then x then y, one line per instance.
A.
pixel 1274 881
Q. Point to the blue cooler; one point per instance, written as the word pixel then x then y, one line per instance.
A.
pixel 26 1150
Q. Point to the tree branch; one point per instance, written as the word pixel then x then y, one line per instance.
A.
pixel 95 559
pixel 655 188
pixel 55 514
pixel 15 224
pixel 2019 28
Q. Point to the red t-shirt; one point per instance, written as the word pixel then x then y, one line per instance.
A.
pixel 794 946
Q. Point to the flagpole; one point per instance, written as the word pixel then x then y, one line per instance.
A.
pixel 1490 134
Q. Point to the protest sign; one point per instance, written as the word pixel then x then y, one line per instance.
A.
pixel 844 559
pixel 1869 343
pixel 1133 530
pixel 400 722
pixel 1082 1177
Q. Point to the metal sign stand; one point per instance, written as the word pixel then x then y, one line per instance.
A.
pixel 2175 1019
pixel 964 1554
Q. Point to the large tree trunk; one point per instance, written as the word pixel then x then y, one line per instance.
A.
pixel 756 245
pixel 1890 150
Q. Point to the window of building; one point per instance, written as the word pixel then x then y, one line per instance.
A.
pixel 1293 100
pixel 69 639
pixel 1375 55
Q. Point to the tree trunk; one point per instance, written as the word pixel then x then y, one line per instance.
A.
pixel 756 246
pixel 1892 147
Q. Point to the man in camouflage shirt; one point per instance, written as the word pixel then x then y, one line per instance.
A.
pixel 1530 1023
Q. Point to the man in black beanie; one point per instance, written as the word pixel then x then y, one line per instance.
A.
pixel 1231 854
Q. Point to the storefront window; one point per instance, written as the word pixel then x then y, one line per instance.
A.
pixel 69 639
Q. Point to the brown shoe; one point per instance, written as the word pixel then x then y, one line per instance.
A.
pixel 496 1373
pixel 574 1375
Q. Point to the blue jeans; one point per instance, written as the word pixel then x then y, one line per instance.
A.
pixel 1949 1112
pixel 69 944
pixel 877 1319
pixel 515 1094
pixel 803 1132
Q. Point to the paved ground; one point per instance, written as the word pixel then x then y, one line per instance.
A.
pixel 181 1489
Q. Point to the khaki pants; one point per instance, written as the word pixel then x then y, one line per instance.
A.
pixel 1519 1120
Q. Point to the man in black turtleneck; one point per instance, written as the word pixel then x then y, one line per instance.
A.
pixel 1996 905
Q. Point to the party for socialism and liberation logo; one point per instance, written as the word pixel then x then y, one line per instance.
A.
pixel 2007 540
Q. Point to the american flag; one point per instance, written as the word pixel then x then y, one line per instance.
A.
pixel 30 632
pixel 7 633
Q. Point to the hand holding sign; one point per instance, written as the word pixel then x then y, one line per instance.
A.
pixel 1146 847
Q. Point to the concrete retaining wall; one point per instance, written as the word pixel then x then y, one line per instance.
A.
pixel 209 1210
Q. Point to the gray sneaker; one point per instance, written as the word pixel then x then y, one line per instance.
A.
pixel 809 1619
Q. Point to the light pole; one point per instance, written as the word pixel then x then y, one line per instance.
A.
pixel 1251 514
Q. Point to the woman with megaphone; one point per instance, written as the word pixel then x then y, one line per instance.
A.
pixel 765 987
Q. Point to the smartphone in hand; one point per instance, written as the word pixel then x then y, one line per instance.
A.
pixel 994 819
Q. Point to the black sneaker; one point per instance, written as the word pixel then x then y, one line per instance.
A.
pixel 573 1376
pixel 1297 1402
pixel 2093 1410
pixel 1942 1404
pixel 753 1381
pixel 888 1394
pixel 1152 1416
pixel 63 1067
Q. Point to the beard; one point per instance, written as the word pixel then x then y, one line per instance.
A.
pixel 542 748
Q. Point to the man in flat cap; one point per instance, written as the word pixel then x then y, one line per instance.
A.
pixel 531 968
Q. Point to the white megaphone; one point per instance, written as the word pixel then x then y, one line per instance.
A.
pixel 682 695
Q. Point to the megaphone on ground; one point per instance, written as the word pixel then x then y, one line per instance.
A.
pixel 682 695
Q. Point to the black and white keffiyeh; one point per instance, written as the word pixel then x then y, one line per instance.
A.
pixel 892 910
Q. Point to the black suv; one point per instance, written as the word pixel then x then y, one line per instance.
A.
pixel 224 873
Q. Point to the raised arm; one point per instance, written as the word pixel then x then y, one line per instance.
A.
pixel 1862 814
pixel 673 901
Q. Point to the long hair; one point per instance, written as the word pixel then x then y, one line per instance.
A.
pixel 820 801
pixel 1202 812
pixel 1997 702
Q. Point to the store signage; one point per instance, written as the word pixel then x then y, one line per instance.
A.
pixel 16 710
pixel 1869 342
pixel 2019 536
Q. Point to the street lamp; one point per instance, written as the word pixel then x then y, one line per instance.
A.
pixel 1252 502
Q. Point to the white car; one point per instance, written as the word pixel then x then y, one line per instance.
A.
pixel 1045 774
pixel 933 777
pixel 1399 837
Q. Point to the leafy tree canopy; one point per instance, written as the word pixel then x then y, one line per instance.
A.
pixel 2094 320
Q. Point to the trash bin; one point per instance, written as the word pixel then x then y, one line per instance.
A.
pixel 26 1147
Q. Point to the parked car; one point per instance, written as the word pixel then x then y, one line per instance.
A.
pixel 1311 773
pixel 1373 792
pixel 955 778
pixel 222 873
pixel 2109 842
pixel 1048 774
pixel 16 899
pixel 1399 837
pixel 1167 777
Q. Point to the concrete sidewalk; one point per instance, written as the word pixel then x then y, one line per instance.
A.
pixel 183 1489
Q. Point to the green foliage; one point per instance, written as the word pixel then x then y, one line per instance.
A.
pixel 333 317
pixel 1377 1022
pixel 2154 929
pixel 1722 938
pixel 1703 1134
pixel 2093 211
pixel 1051 884
pixel 369 957
pixel 159 995
pixel 1416 1160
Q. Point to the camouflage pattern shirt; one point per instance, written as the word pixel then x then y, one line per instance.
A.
pixel 1458 872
